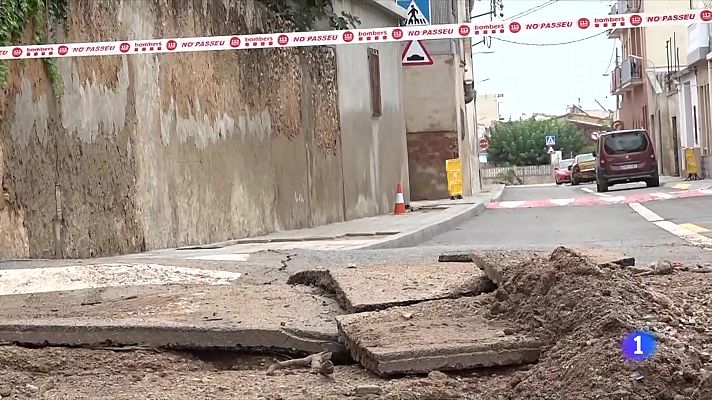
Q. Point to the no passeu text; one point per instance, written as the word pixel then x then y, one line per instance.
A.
pixel 316 38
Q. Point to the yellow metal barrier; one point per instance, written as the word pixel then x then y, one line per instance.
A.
pixel 453 168
pixel 691 165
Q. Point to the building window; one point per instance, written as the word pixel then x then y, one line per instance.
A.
pixel 374 72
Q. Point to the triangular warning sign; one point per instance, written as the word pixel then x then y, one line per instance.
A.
pixel 415 53
pixel 414 15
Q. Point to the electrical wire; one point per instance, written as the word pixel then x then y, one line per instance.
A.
pixel 613 53
pixel 532 10
pixel 550 44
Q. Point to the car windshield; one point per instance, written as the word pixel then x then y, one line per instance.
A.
pixel 565 163
pixel 626 142
pixel 585 157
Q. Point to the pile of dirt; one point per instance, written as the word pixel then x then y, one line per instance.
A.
pixel 580 308
pixel 584 311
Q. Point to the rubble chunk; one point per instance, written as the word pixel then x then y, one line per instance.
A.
pixel 455 257
pixel 378 288
pixel 386 344
pixel 176 316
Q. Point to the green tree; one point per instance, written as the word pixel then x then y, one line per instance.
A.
pixel 523 142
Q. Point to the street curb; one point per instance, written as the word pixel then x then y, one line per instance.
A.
pixel 412 238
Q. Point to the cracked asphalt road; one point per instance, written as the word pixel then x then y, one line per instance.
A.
pixel 615 227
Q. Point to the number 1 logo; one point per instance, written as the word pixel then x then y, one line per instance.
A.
pixel 639 346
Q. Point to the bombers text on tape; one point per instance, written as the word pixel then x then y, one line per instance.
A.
pixel 353 36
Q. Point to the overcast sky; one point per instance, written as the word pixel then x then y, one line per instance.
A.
pixel 546 78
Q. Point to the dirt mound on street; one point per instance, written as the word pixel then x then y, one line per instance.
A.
pixel 579 306
pixel 584 311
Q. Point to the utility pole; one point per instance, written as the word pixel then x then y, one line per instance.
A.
pixel 618 99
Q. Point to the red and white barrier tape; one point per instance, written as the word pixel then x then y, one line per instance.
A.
pixel 354 36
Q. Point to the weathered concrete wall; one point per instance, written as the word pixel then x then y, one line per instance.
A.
pixel 432 124
pixel 632 107
pixel 13 235
pixel 430 102
pixel 526 180
pixel 671 141
pixel 151 151
pixel 427 152
pixel 377 154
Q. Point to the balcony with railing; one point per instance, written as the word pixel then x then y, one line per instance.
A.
pixel 616 81
pixel 614 33
pixel 627 76
pixel 622 7
pixel 628 6
pixel 699 37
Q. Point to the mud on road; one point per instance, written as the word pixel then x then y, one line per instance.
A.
pixel 580 309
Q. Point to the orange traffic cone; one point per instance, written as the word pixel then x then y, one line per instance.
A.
pixel 399 208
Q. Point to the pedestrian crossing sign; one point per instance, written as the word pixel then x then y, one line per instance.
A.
pixel 417 12
pixel 551 140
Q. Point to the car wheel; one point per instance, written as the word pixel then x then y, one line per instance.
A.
pixel 601 186
pixel 653 182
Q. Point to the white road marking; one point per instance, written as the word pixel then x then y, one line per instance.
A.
pixel 223 257
pixel 562 202
pixel 511 204
pixel 532 185
pixel 614 199
pixel 645 212
pixel 39 280
pixel 683 233
pixel 662 195
pixel 589 190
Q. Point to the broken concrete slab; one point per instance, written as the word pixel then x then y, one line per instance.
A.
pixel 455 257
pixel 377 288
pixel 293 319
pixel 452 334
pixel 606 258
pixel 495 263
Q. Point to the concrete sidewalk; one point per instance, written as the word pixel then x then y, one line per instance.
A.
pixel 425 220
pixel 264 260
pixel 682 184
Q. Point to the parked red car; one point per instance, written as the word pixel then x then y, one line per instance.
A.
pixel 626 156
pixel 562 174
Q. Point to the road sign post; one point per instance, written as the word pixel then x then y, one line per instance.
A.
pixel 484 144
pixel 417 14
